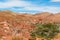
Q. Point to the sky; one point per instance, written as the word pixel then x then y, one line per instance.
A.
pixel 31 6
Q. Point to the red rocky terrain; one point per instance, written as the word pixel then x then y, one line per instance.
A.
pixel 17 24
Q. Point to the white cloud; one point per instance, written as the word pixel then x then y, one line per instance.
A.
pixel 28 6
pixel 14 3
pixel 50 9
pixel 55 0
pixel 44 9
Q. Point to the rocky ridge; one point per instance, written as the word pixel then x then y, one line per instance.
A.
pixel 19 25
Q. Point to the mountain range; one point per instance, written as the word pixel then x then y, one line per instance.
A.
pixel 20 24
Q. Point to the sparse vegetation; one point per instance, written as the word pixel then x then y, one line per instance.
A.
pixel 16 24
pixel 17 38
pixel 47 31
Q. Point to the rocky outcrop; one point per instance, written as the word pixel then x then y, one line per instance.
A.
pixel 17 24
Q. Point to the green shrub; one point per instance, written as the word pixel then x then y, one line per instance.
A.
pixel 17 38
pixel 47 31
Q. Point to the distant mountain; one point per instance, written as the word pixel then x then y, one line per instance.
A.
pixel 18 24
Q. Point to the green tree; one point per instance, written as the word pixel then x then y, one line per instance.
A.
pixel 47 31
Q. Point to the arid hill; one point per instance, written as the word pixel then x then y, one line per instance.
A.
pixel 17 24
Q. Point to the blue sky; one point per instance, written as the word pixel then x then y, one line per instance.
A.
pixel 31 6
